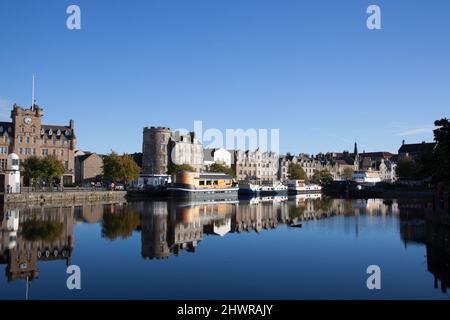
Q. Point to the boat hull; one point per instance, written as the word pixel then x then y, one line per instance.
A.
pixel 185 192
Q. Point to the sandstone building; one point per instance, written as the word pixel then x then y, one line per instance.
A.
pixel 256 165
pixel 88 167
pixel 27 136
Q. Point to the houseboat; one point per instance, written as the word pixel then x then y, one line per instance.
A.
pixel 300 187
pixel 193 185
pixel 261 188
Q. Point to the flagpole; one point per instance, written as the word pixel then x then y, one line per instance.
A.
pixel 32 95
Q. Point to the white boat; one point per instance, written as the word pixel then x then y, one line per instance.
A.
pixel 262 188
pixel 299 186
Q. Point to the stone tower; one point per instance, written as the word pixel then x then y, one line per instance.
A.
pixel 155 150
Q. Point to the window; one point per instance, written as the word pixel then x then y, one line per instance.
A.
pixel 28 139
pixel 34 140
pixel 20 139
pixel 66 165
pixel 21 151
pixel 45 152
pixel 62 152
pixel 54 152
pixel 201 182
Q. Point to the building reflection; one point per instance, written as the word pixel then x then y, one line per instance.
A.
pixel 34 234
pixel 438 247
pixel 419 224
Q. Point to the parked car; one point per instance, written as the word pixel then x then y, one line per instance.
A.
pixel 119 187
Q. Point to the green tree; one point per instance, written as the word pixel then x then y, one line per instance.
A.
pixel 112 167
pixel 347 173
pixel 173 168
pixel 32 170
pixel 52 168
pixel 129 169
pixel 323 177
pixel 296 172
pixel 219 168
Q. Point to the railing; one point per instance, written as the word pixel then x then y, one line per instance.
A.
pixel 64 189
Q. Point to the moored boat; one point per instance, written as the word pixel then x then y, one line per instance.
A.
pixel 262 188
pixel 300 187
pixel 194 185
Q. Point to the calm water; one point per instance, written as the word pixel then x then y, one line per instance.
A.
pixel 224 250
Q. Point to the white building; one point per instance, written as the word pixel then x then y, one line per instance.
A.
pixel 218 156
pixel 366 177
pixel 12 174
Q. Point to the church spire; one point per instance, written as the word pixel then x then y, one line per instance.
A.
pixel 355 151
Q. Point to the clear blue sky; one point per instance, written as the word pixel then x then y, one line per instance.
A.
pixel 310 68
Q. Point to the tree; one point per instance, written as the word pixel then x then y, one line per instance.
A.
pixel 216 167
pixel 347 173
pixel 442 150
pixel 112 167
pixel 296 172
pixel 173 168
pixel 52 168
pixel 323 177
pixel 32 170
pixel 129 169
pixel 407 169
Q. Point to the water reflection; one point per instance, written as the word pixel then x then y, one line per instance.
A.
pixel 33 235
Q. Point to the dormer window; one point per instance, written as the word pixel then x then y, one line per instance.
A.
pixel 50 132
pixel 42 131
pixel 58 133
pixel 67 133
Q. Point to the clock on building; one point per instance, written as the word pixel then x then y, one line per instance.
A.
pixel 27 120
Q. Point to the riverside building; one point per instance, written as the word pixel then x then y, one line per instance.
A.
pixel 27 136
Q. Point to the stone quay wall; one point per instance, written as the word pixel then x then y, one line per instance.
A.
pixel 66 196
